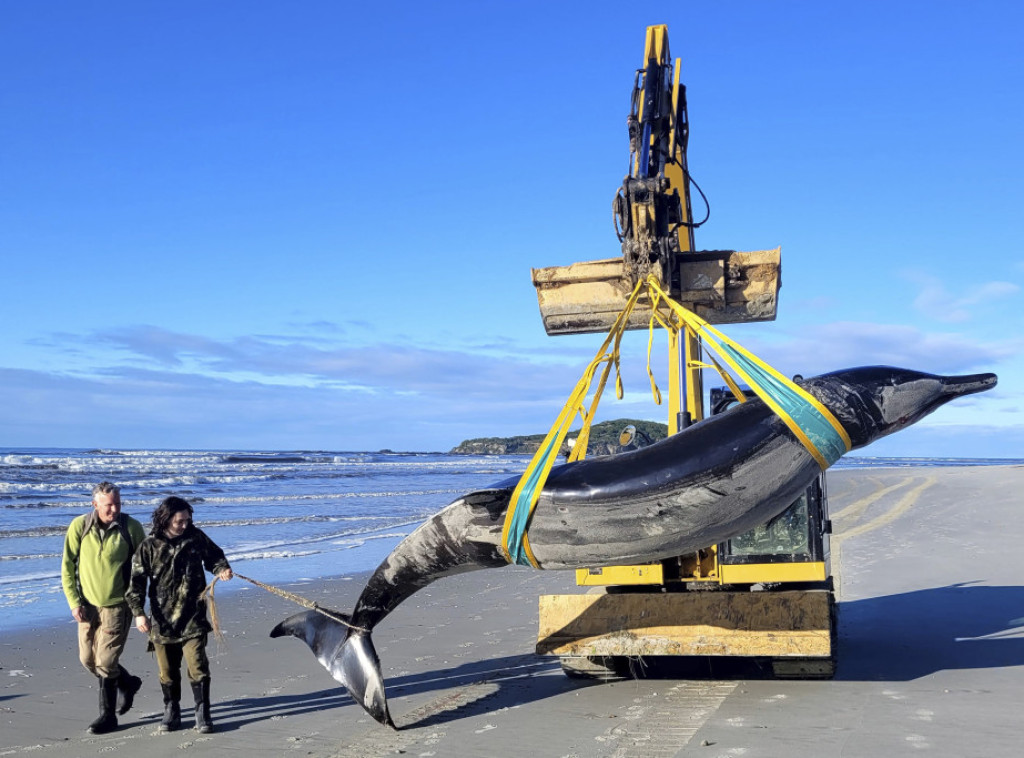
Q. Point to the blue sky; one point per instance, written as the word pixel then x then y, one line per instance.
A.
pixel 273 225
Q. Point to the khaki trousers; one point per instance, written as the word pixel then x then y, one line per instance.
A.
pixel 101 639
pixel 168 660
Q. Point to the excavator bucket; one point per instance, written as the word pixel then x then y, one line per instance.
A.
pixel 720 286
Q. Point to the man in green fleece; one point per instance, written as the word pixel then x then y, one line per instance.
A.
pixel 98 550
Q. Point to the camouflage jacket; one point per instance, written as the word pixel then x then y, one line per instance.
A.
pixel 173 571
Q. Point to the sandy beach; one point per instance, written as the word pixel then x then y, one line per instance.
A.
pixel 931 659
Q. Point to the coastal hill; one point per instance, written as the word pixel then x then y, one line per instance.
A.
pixel 604 440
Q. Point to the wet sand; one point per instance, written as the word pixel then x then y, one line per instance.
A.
pixel 931 660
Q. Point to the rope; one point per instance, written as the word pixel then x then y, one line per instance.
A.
pixel 214 619
pixel 298 599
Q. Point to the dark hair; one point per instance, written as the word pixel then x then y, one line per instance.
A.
pixel 165 512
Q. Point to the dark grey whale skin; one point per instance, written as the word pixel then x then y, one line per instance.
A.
pixel 712 481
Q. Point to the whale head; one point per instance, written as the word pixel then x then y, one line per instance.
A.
pixel 873 401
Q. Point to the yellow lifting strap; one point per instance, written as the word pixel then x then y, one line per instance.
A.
pixel 809 420
pixel 515 543
pixel 812 423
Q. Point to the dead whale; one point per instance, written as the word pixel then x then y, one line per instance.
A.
pixel 712 481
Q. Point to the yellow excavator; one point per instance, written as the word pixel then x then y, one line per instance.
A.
pixel 766 595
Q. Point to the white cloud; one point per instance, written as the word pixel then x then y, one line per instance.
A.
pixel 935 301
pixel 844 344
pixel 148 387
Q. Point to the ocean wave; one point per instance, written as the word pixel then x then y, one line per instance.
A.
pixel 363 540
pixel 27 463
pixel 254 521
pixel 319 496
pixel 265 458
pixel 37 577
pixel 157 480
pixel 150 482
pixel 853 461
pixel 312 539
pixel 39 504
pixel 309 519
pixel 33 531
pixel 36 556
pixel 302 509
pixel 29 501
pixel 261 555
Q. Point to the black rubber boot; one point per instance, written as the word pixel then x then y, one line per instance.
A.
pixel 107 721
pixel 171 722
pixel 127 686
pixel 201 692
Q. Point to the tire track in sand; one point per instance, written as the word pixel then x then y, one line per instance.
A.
pixel 855 510
pixel 659 726
pixel 381 741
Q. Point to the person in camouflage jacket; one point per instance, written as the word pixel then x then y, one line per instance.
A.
pixel 170 563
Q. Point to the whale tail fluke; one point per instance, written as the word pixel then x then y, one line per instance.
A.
pixel 347 654
pixel 361 670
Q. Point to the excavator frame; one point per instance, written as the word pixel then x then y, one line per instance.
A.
pixel 765 595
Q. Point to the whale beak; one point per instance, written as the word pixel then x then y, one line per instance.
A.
pixel 955 386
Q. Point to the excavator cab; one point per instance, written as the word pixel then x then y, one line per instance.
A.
pixel 792 547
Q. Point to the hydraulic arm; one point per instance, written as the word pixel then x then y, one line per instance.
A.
pixel 652 207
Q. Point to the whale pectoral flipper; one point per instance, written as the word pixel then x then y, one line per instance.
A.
pixel 346 653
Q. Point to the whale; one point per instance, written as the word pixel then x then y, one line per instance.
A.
pixel 712 481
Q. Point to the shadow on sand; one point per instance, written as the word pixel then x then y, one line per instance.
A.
pixel 891 638
pixel 913 634
pixel 513 680
pixel 234 714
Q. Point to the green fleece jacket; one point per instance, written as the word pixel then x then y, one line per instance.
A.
pixel 97 560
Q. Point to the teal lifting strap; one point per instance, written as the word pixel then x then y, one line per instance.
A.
pixel 520 517
pixel 822 435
